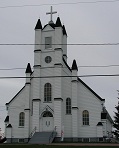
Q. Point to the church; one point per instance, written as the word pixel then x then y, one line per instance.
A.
pixel 55 104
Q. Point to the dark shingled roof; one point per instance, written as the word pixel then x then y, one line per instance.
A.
pixel 74 65
pixel 7 119
pixel 15 96
pixel 99 124
pixel 38 25
pixel 58 23
pixel 85 83
pixel 51 24
pixel 9 126
pixel 28 69
pixel 64 30
pixel 91 90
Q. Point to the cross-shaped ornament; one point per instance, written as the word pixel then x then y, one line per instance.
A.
pixel 51 13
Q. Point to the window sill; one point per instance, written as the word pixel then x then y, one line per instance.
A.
pixel 21 127
pixel 48 48
pixel 85 125
pixel 47 102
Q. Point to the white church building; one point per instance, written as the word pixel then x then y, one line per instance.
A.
pixel 54 101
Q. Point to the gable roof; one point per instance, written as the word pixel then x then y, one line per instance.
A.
pixel 51 25
pixel 15 96
pixel 66 64
pixel 91 90
pixel 84 83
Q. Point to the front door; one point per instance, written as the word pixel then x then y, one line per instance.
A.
pixel 47 121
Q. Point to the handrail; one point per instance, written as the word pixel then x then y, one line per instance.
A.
pixel 2 135
pixel 32 133
pixel 52 135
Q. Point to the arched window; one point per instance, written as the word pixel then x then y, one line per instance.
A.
pixel 47 92
pixel 47 114
pixel 21 119
pixel 85 116
pixel 68 106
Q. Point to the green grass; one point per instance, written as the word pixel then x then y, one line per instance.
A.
pixel 49 146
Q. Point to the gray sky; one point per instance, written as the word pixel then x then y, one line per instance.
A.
pixel 85 23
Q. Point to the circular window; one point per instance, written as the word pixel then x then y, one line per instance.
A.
pixel 48 59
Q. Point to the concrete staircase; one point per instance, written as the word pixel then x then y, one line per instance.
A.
pixel 42 137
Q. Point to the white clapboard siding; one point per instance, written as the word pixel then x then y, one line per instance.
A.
pixel 87 101
pixel 58 116
pixel 58 37
pixel 38 36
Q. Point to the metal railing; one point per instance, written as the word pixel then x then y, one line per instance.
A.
pixel 32 133
pixel 53 134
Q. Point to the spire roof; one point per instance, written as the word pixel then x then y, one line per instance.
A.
pixel 28 69
pixel 7 119
pixel 64 30
pixel 58 22
pixel 38 25
pixel 74 65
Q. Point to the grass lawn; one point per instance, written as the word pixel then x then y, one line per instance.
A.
pixel 50 146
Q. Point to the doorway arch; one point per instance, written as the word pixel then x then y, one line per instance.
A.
pixel 47 121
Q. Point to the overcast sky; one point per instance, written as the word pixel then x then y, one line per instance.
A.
pixel 88 21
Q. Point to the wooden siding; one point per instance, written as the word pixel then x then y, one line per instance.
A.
pixel 87 101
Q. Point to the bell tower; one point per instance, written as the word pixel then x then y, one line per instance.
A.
pixel 50 42
pixel 49 55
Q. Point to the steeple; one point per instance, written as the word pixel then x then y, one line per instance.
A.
pixel 28 69
pixel 74 65
pixel 58 23
pixel 64 30
pixel 38 25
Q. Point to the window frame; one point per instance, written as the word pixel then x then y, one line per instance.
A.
pixel 48 59
pixel 68 106
pixel 48 42
pixel 47 114
pixel 21 140
pixel 85 117
pixel 47 92
pixel 21 119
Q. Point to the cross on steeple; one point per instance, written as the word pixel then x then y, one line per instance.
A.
pixel 51 13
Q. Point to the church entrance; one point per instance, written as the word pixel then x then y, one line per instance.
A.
pixel 47 121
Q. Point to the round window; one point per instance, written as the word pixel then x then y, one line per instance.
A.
pixel 48 59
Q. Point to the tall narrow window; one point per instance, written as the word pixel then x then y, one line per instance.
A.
pixel 85 116
pixel 47 92
pixel 68 106
pixel 21 119
pixel 48 42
